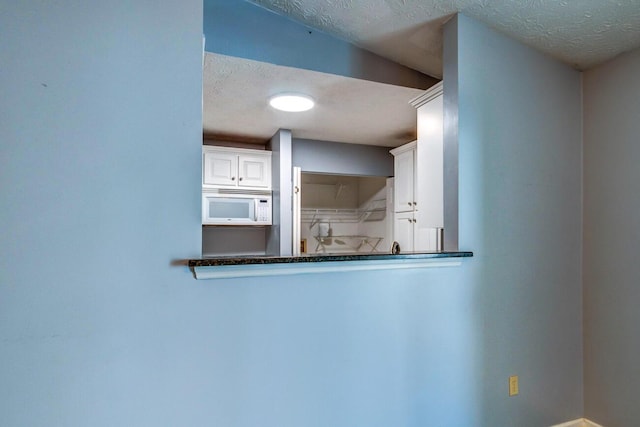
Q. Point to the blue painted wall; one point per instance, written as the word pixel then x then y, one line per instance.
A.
pixel 100 131
pixel 612 233
pixel 341 158
pixel 239 28
pixel 100 135
pixel 520 147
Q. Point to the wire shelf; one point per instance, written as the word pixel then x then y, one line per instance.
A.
pixel 355 243
pixel 376 210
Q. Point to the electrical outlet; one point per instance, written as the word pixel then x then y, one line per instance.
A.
pixel 513 385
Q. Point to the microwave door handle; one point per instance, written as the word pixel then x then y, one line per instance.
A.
pixel 255 210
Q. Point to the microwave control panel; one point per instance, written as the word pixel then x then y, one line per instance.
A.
pixel 263 210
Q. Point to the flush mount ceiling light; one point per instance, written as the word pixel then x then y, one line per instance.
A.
pixel 291 102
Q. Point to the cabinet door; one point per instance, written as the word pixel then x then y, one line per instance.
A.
pixel 255 171
pixel 404 181
pixel 403 231
pixel 425 238
pixel 219 168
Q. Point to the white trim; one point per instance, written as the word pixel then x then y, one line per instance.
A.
pixel 429 94
pixel 574 423
pixel 406 147
pixel 235 150
pixel 288 269
pixel 581 422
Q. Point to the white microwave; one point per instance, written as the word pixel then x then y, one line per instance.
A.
pixel 236 207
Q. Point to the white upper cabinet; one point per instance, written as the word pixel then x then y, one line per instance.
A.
pixel 220 168
pixel 254 171
pixel 404 182
pixel 224 167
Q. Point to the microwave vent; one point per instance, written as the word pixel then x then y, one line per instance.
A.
pixel 237 191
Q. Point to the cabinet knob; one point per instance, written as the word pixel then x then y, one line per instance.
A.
pixel 409 203
pixel 240 179
pixel 415 203
pixel 233 178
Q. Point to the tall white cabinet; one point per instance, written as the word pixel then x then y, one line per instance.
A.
pixel 418 183
pixel 405 206
pixel 404 180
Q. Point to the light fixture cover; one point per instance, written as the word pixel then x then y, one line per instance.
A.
pixel 291 102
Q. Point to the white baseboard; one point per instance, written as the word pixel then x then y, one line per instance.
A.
pixel 582 422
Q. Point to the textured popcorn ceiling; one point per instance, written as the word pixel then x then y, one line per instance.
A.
pixel 582 33
pixel 236 93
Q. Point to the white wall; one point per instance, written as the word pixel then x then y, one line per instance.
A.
pixel 611 237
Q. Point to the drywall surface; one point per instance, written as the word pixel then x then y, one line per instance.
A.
pixel 611 235
pixel 239 28
pixel 280 234
pixel 450 178
pixel 237 240
pixel 519 115
pixel 100 135
pixel 341 158
pixel 100 325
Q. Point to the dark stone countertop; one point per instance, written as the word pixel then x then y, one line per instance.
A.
pixel 252 260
